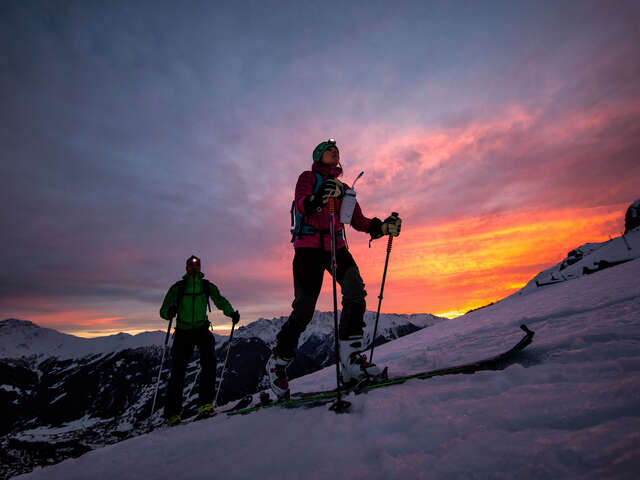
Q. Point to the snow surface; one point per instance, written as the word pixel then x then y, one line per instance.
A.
pixel 569 408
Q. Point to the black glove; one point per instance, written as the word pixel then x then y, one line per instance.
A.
pixel 235 317
pixel 173 310
pixel 391 225
pixel 313 203
pixel 375 228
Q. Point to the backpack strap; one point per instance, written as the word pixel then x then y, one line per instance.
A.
pixel 298 220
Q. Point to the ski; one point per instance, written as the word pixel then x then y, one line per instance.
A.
pixel 313 399
pixel 241 404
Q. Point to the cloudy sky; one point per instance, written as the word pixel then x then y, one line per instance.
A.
pixel 133 134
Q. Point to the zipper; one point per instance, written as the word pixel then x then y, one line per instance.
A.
pixel 193 303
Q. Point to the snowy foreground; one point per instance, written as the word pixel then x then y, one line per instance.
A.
pixel 568 408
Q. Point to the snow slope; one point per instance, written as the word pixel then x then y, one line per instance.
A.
pixel 569 408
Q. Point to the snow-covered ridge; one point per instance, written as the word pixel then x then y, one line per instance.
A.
pixel 22 338
pixel 25 339
pixel 587 259
pixel 322 325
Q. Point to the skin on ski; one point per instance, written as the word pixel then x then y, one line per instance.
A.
pixel 312 399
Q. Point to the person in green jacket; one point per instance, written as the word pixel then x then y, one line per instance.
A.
pixel 188 299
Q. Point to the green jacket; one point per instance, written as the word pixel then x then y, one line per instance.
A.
pixel 192 313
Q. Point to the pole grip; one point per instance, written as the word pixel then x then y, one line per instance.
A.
pixel 332 205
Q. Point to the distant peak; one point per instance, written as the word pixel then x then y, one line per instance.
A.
pixel 15 322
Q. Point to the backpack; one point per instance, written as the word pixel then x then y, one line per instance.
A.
pixel 298 220
pixel 205 291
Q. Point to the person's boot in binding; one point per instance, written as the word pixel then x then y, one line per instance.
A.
pixel 354 366
pixel 277 370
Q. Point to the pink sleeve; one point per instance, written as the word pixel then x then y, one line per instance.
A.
pixel 359 221
pixel 304 188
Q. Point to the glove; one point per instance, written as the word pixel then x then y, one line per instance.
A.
pixel 235 317
pixel 173 310
pixel 391 225
pixel 331 187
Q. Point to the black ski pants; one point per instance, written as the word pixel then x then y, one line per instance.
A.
pixel 184 342
pixel 309 265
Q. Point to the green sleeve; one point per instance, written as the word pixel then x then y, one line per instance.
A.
pixel 219 301
pixel 169 299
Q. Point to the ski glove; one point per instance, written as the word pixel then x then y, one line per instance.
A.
pixel 235 317
pixel 329 188
pixel 172 311
pixel 391 226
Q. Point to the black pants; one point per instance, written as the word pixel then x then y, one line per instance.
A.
pixel 309 265
pixel 184 342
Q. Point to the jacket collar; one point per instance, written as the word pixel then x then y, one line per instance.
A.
pixel 326 170
pixel 199 276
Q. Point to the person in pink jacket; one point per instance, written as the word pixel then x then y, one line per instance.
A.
pixel 312 243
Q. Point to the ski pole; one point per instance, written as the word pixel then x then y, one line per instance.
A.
pixel 224 366
pixel 194 383
pixel 384 277
pixel 164 351
pixel 340 406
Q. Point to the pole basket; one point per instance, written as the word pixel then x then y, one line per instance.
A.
pixel 340 406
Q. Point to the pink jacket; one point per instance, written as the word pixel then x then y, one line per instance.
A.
pixel 321 220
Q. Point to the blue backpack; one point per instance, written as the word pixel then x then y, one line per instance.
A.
pixel 298 219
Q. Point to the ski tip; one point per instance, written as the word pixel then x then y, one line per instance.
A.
pixel 526 330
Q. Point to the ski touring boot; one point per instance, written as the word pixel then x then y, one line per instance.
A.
pixel 278 381
pixel 173 420
pixel 354 366
pixel 205 411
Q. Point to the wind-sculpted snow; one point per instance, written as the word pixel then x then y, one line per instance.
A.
pixel 568 408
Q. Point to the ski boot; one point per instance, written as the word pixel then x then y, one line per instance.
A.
pixel 354 366
pixel 205 411
pixel 173 420
pixel 277 370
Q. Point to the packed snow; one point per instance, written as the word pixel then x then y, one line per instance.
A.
pixel 569 407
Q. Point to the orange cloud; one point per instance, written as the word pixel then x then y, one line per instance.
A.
pixel 462 264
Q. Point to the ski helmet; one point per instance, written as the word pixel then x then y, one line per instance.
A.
pixel 323 147
pixel 193 260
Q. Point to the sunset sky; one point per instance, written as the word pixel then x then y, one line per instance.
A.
pixel 134 134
